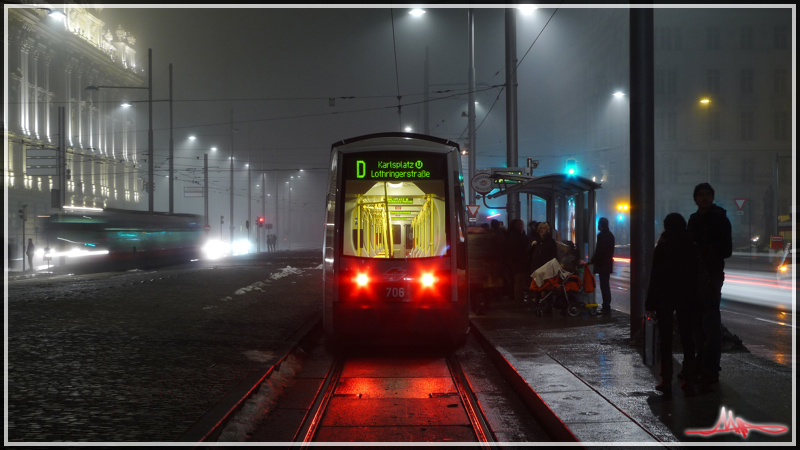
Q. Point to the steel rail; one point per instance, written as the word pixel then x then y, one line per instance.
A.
pixel 471 405
pixel 308 429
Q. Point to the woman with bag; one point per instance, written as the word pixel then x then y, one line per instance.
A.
pixel 673 293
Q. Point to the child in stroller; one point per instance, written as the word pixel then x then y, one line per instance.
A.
pixel 560 285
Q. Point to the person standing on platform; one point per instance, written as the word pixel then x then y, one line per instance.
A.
pixel 603 262
pixel 672 294
pixel 711 232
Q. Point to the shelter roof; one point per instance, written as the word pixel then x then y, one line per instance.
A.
pixel 550 185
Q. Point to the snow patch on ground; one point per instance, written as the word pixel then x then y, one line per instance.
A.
pixel 260 285
pixel 257 407
pixel 258 356
pixel 285 272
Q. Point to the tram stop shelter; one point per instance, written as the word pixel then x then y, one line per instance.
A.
pixel 556 190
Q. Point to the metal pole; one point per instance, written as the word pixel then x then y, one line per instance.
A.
pixel 62 156
pixel 263 198
pixel 472 148
pixel 205 187
pixel 512 202
pixel 642 215
pixel 231 186
pixel 150 181
pixel 426 127
pixel 171 150
pixel 249 199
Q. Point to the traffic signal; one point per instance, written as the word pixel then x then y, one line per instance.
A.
pixel 572 167
pixel 260 221
pixel 221 220
pixel 23 213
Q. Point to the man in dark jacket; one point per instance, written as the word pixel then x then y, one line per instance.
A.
pixel 517 258
pixel 711 232
pixel 603 262
pixel 672 291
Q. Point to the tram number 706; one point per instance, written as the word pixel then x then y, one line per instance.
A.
pixel 395 292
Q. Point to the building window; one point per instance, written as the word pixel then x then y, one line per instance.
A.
pixel 746 38
pixel 747 126
pixel 748 170
pixel 712 38
pixel 671 129
pixel 672 81
pixel 712 81
pixel 659 126
pixel 781 81
pixel 782 128
pixel 670 170
pixel 666 39
pixel 714 169
pixel 714 126
pixel 670 38
pixel 781 38
pixel 746 81
pixel 666 81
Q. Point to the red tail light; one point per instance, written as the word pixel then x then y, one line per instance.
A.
pixel 361 280
pixel 428 280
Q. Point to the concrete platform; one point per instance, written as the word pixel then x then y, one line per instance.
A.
pixel 584 377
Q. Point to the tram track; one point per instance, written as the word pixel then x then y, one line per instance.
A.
pixel 409 395
pixel 393 371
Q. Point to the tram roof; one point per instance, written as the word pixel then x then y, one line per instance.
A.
pixel 550 185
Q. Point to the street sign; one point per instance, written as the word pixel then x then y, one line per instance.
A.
pixel 206 228
pixel 268 226
pixel 46 171
pixel 473 210
pixel 740 202
pixel 41 162
pixel 482 183
pixel 192 191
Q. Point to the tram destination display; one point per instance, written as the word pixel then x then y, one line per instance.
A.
pixel 396 166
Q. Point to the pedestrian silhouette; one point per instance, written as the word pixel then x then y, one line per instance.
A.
pixel 603 262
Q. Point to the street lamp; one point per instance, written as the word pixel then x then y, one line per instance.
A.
pixel 150 122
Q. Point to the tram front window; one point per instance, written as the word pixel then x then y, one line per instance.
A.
pixel 394 219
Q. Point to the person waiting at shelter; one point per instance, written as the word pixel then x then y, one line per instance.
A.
pixel 672 293
pixel 542 249
pixel 603 262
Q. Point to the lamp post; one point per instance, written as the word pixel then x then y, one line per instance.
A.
pixel 231 187
pixel 707 102
pixel 150 123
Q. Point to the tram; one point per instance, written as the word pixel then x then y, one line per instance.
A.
pixel 395 253
pixel 115 239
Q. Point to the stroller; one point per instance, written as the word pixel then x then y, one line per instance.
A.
pixel 562 286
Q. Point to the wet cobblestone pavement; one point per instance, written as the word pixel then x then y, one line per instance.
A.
pixel 139 356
